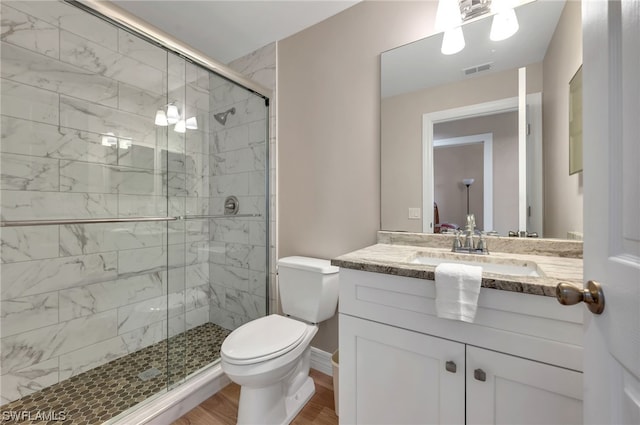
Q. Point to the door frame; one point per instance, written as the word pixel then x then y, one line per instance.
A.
pixel 487 140
pixel 428 121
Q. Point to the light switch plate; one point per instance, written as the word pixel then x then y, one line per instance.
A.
pixel 414 213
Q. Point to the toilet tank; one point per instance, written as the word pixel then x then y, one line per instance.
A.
pixel 308 288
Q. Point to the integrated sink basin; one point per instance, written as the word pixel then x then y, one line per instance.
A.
pixel 489 264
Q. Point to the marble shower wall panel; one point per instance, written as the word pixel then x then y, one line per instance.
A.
pixel 30 68
pixel 76 296
pixel 29 243
pixel 29 32
pixel 237 165
pixel 52 141
pixel 260 66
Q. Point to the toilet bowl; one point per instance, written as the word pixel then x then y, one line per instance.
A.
pixel 274 381
pixel 270 357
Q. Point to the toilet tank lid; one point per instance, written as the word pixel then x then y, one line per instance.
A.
pixel 309 264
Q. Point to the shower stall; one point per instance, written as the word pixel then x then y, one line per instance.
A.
pixel 134 207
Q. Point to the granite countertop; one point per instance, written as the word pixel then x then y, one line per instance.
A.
pixel 395 260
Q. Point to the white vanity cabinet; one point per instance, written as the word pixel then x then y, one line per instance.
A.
pixel 520 361
pixel 504 389
pixel 396 376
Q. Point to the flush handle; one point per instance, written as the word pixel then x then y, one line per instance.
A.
pixel 451 367
pixel 592 295
pixel 480 375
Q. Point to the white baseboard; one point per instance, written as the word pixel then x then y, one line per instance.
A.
pixel 321 361
pixel 168 407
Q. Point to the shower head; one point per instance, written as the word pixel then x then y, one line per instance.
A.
pixel 221 117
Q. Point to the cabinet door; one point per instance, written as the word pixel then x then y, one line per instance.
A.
pixel 390 375
pixel 503 389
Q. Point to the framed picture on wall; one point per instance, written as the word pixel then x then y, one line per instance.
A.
pixel 575 123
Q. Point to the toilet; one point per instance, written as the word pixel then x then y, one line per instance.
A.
pixel 269 357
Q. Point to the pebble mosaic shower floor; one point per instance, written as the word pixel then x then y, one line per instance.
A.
pixel 99 394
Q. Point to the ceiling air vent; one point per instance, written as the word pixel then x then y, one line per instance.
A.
pixel 478 68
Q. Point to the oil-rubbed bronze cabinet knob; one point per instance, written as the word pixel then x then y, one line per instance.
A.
pixel 451 367
pixel 592 295
pixel 480 375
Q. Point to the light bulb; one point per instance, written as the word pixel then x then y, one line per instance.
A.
pixel 447 15
pixel 180 127
pixel 192 123
pixel 161 118
pixel 173 115
pixel 504 25
pixel 452 41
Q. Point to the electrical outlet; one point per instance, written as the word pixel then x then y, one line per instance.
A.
pixel 414 213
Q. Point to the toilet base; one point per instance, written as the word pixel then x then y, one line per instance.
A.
pixel 269 406
pixel 294 403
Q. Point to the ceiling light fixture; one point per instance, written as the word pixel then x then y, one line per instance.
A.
pixel 447 15
pixel 173 115
pixel 452 13
pixel 180 127
pixel 161 118
pixel 191 123
pixel 504 25
pixel 448 20
pixel 452 41
pixel 470 9
pixel 169 114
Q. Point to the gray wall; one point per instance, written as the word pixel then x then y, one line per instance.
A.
pixel 452 164
pixel 562 192
pixel 328 130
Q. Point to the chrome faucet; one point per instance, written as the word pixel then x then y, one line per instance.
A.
pixel 469 231
pixel 522 234
pixel 469 246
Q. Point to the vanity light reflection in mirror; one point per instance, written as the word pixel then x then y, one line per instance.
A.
pixel 418 81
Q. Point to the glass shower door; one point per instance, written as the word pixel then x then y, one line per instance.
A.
pixel 84 212
pixel 124 263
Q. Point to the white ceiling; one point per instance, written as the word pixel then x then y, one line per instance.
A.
pixel 227 30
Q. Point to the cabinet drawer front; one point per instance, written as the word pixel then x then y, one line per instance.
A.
pixel 520 391
pixel 529 326
pixel 390 375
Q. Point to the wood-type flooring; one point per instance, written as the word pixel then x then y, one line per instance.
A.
pixel 222 408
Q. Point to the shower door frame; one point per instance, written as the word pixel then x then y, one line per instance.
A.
pixel 155 35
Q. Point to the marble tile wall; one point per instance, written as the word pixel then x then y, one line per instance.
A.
pixel 76 296
pixel 260 66
pixel 238 257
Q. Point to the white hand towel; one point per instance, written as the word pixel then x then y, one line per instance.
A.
pixel 457 291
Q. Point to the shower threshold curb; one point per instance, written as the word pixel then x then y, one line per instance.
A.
pixel 168 407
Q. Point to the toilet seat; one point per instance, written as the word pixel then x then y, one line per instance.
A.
pixel 263 339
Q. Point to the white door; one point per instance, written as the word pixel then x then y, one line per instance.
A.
pixel 611 131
